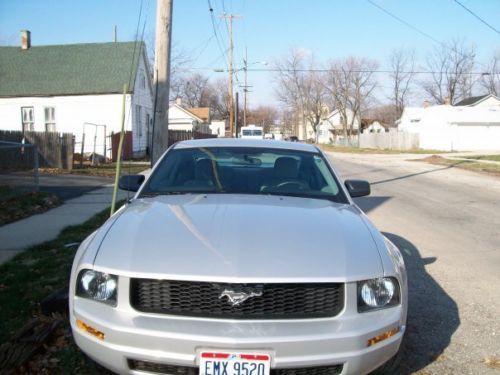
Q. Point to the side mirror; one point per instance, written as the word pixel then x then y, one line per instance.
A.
pixel 131 182
pixel 357 188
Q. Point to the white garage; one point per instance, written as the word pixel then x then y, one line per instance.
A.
pixel 455 128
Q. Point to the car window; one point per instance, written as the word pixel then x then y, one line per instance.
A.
pixel 245 170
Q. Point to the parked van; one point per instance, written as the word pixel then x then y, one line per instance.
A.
pixel 252 132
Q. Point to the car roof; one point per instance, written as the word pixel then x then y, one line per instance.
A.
pixel 237 142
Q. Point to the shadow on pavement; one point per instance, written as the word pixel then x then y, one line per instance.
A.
pixel 433 315
pixel 409 175
pixel 368 204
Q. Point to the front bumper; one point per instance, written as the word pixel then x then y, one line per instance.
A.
pixel 131 335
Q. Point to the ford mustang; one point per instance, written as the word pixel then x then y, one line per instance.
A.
pixel 240 257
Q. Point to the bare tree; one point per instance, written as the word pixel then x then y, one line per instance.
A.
pixel 351 85
pixel 451 66
pixel 218 102
pixel 402 63
pixel 195 90
pixel 300 88
pixel 263 115
pixel 491 80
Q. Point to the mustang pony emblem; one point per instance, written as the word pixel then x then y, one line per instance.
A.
pixel 237 298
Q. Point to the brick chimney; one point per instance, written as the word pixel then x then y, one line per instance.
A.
pixel 25 39
pixel 178 101
pixel 447 100
pixel 426 104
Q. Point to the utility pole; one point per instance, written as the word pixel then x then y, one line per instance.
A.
pixel 245 89
pixel 230 17
pixel 237 105
pixel 162 78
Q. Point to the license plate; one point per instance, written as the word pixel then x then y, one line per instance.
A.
pixel 217 363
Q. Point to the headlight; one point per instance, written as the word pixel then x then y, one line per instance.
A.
pixel 378 293
pixel 97 286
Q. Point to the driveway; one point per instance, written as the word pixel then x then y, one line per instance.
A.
pixel 65 186
pixel 446 221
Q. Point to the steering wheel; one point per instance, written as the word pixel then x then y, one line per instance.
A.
pixel 293 184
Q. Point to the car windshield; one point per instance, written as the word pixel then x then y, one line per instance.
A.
pixel 244 170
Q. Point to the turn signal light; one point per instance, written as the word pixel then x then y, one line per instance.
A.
pixel 89 329
pixel 383 336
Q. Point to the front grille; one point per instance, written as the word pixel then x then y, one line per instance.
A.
pixel 203 299
pixel 159 368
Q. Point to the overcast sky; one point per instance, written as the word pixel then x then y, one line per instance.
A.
pixel 267 28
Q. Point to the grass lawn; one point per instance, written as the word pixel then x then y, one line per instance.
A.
pixel 357 150
pixel 16 205
pixel 34 274
pixel 491 169
pixel 104 170
pixel 484 157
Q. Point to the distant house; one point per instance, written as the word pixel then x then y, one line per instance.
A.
pixel 472 126
pixel 489 100
pixel 330 128
pixel 190 119
pixel 60 88
pixel 373 126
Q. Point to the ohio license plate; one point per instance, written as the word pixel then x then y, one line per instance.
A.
pixel 216 363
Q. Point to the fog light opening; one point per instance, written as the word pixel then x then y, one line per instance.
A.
pixel 383 336
pixel 94 332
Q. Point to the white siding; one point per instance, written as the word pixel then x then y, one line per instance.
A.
pixel 455 128
pixel 71 112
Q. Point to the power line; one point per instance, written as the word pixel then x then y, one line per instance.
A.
pixel 479 18
pixel 135 44
pixel 404 22
pixel 214 28
pixel 444 45
pixel 353 71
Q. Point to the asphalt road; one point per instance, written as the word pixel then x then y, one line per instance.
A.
pixel 447 224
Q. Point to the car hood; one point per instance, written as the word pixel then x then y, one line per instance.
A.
pixel 223 237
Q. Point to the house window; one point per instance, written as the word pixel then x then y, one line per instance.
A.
pixel 28 119
pixel 50 119
pixel 143 81
pixel 138 120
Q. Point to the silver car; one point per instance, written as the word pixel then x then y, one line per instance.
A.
pixel 240 257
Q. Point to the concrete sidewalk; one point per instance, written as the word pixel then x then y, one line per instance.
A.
pixel 19 235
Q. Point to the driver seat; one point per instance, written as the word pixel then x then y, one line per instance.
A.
pixel 286 169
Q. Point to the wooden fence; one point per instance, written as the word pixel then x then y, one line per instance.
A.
pixel 173 137
pixel 183 135
pixel 55 150
pixel 392 140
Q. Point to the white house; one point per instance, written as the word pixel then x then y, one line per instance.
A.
pixel 454 128
pixel 330 128
pixel 73 88
pixel 190 119
pixel 218 128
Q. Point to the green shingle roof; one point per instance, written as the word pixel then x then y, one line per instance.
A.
pixel 73 69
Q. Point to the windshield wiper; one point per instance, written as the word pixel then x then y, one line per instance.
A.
pixel 299 195
pixel 182 192
pixel 156 193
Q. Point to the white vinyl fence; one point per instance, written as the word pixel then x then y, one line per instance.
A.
pixel 392 141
